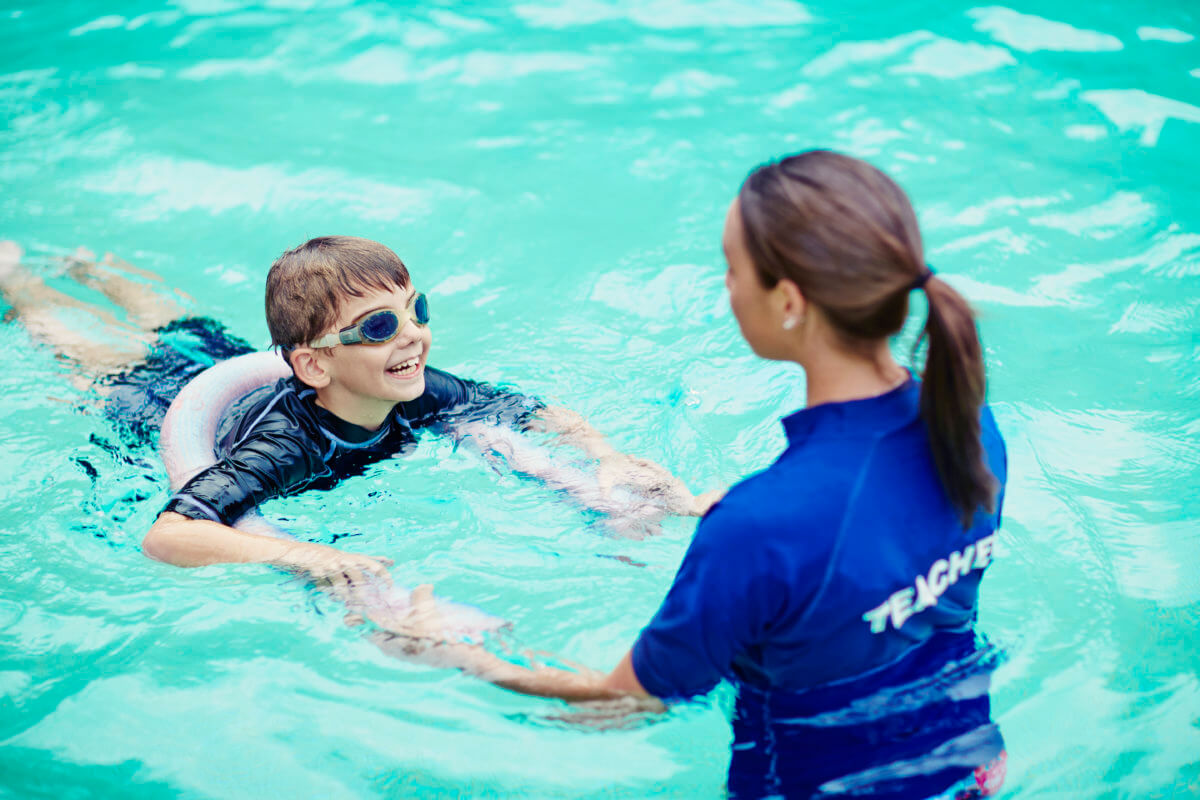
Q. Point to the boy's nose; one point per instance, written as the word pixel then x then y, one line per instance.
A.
pixel 408 333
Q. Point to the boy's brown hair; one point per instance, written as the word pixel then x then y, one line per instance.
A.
pixel 306 285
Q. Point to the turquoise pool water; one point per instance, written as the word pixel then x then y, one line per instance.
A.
pixel 555 175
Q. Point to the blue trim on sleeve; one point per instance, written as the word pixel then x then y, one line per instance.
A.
pixel 204 508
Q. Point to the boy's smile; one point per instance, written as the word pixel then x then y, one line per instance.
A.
pixel 368 380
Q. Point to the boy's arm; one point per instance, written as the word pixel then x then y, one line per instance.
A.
pixel 617 468
pixel 421 636
pixel 187 542
pixel 275 458
pixel 469 402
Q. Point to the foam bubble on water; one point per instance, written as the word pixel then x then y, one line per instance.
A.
pixel 1157 561
pixel 418 35
pixel 977 291
pixel 845 54
pixel 1002 239
pixel 979 214
pixel 1060 91
pixel 222 67
pixel 458 22
pixel 1122 211
pixel 662 163
pixel 1131 109
pixel 159 18
pixel 690 83
pixel 665 13
pixel 227 276
pixel 484 67
pixel 382 65
pixel 789 97
pixel 869 137
pixel 673 293
pixel 949 59
pixel 166 185
pixel 1172 254
pixel 498 142
pixel 100 24
pixel 204 8
pixel 223 23
pixel 1171 35
pixel 1085 133
pixel 457 283
pixel 132 70
pixel 1029 33
pixel 1147 317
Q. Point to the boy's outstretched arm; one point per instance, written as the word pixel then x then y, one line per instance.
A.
pixel 187 542
pixel 421 636
pixel 620 469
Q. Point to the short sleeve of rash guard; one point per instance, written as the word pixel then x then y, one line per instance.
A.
pixel 721 602
pixel 271 462
pixel 447 394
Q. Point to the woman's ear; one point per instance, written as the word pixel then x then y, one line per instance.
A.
pixel 310 367
pixel 790 302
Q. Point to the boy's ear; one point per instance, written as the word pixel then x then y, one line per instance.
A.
pixel 310 367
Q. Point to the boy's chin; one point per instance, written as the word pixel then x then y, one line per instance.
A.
pixel 412 389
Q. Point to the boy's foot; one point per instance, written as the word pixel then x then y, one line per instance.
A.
pixel 10 257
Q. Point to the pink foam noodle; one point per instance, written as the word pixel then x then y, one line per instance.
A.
pixel 188 444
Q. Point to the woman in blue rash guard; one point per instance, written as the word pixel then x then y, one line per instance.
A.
pixel 836 589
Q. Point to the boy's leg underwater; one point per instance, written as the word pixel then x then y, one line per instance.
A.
pixel 139 292
pixel 93 338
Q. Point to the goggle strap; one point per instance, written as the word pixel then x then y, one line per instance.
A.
pixel 326 341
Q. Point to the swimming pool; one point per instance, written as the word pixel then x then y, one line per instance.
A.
pixel 555 176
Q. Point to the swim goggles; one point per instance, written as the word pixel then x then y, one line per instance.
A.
pixel 379 326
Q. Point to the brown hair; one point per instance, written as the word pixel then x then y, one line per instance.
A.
pixel 847 235
pixel 307 285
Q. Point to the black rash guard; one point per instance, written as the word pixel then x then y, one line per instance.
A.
pixel 285 443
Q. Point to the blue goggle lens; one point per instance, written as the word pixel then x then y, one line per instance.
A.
pixel 380 326
pixel 420 309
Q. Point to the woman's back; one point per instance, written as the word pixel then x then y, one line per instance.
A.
pixel 834 588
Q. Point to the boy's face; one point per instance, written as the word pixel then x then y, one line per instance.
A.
pixel 370 377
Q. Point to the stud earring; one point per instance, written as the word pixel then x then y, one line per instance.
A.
pixel 790 322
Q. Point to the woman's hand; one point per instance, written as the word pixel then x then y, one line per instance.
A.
pixel 701 503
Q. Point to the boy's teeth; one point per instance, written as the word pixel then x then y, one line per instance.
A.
pixel 404 366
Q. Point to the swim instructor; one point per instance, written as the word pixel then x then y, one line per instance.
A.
pixel 837 589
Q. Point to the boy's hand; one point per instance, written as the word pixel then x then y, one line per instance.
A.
pixel 421 635
pixel 655 482
pixel 345 574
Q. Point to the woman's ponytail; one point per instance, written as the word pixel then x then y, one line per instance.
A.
pixel 952 394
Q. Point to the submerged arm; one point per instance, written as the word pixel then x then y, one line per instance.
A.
pixel 620 469
pixel 187 542
pixel 422 638
pixel 193 529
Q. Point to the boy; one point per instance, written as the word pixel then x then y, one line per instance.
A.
pixel 355 332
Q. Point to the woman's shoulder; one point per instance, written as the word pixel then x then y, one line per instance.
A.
pixel 793 496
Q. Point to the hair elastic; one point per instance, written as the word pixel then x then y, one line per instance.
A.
pixel 922 279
